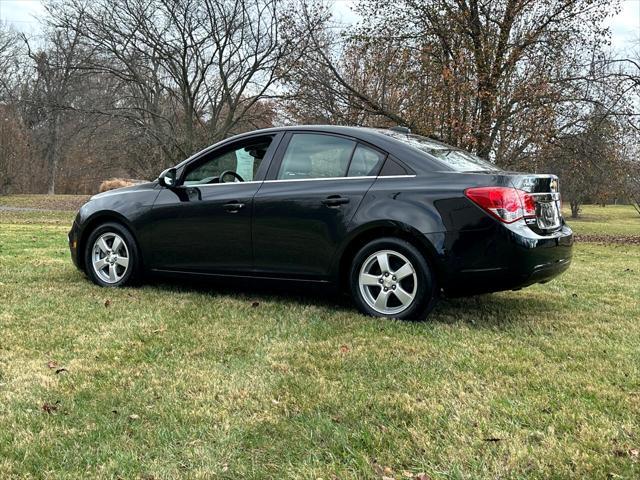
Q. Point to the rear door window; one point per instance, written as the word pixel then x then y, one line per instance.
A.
pixel 311 155
pixel 365 162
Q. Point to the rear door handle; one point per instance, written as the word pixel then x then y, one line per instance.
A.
pixel 335 201
pixel 233 207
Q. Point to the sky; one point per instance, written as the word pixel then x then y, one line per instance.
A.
pixel 625 26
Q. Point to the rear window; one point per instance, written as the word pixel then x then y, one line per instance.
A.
pixel 459 160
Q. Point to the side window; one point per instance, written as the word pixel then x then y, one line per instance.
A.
pixel 311 155
pixel 392 168
pixel 365 161
pixel 244 160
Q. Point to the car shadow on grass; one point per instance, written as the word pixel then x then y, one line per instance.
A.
pixel 499 310
pixel 301 293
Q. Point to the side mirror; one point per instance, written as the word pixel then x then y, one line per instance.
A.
pixel 168 178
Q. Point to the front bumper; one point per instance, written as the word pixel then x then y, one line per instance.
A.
pixel 74 244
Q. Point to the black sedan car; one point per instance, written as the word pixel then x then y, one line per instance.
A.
pixel 394 218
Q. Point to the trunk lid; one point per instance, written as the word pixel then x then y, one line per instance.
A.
pixel 544 191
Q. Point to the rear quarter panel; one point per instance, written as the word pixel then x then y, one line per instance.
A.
pixel 459 235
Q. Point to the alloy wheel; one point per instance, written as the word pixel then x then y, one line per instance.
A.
pixel 388 282
pixel 110 257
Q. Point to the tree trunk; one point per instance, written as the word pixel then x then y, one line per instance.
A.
pixel 575 209
pixel 483 132
pixel 52 154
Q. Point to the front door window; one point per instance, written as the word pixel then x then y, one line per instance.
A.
pixel 239 164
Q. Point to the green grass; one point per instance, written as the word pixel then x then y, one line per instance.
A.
pixel 609 220
pixel 171 381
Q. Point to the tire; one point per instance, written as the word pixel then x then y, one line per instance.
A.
pixel 410 295
pixel 120 267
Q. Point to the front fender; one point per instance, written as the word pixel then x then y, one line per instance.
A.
pixel 129 206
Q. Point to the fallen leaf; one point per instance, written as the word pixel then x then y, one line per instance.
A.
pixel 52 364
pixel 377 468
pixel 107 303
pixel 388 470
pixel 344 349
pixel 133 416
pixel 407 473
pixel 50 407
pixel 422 476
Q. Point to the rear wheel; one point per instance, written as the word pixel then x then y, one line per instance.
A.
pixel 390 278
pixel 111 256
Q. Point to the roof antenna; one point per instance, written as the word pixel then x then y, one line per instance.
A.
pixel 400 129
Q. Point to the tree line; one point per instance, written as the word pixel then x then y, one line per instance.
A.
pixel 127 87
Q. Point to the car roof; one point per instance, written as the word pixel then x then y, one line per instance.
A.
pixel 378 137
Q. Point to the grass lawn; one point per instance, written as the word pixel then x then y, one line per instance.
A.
pixel 610 220
pixel 171 381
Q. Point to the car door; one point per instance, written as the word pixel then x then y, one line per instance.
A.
pixel 204 224
pixel 303 208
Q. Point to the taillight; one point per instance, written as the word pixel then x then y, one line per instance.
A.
pixel 505 203
pixel 528 204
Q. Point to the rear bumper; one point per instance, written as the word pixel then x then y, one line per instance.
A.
pixel 502 258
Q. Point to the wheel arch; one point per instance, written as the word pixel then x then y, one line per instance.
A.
pixel 378 230
pixel 96 219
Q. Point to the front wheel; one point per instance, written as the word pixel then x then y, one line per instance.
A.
pixel 111 256
pixel 390 278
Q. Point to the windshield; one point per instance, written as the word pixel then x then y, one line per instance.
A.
pixel 459 160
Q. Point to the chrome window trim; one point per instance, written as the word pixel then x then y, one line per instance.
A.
pixel 221 184
pixel 369 177
pixel 337 178
pixel 316 179
pixel 397 176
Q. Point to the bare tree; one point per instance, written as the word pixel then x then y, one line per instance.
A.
pixel 498 77
pixel 191 72
pixel 591 163
pixel 57 74
pixel 11 132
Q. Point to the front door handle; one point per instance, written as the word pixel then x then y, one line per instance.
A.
pixel 335 201
pixel 233 207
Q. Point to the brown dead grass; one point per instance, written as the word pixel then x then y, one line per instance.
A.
pixel 114 183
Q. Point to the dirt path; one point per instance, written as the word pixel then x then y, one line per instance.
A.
pixel 4 208
pixel 41 203
pixel 609 239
